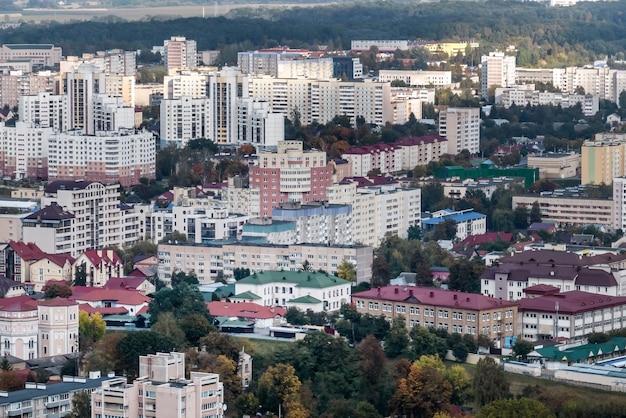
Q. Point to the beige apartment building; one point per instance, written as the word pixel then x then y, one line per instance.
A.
pixel 456 312
pixel 554 165
pixel 567 210
pixel 161 391
pixel 210 262
pixel 603 158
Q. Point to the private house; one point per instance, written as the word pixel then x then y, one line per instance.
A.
pixel 138 283
pixel 246 312
pixel 98 266
pixel 463 313
pixel 303 289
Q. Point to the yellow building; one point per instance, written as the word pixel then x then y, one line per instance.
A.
pixel 603 158
pixel 450 48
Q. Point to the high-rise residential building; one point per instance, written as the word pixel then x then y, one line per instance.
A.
pixel 461 128
pixel 290 174
pixel 258 125
pixel 185 84
pixel 619 203
pixel 17 84
pixel 321 223
pixel 180 53
pixel 184 119
pixel 603 158
pixel 45 110
pixel 417 78
pixel 289 63
pixel 347 68
pixel 225 88
pixel 498 69
pixel 24 150
pixel 122 86
pixel 161 391
pixel 123 156
pixel 80 87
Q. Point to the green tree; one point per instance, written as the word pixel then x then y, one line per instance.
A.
pixel 167 326
pixel 175 236
pixel 276 385
pixel 520 217
pixel 54 290
pixel 521 348
pixel 5 365
pixel 465 276
pixel 425 342
pixel 91 328
pixel 80 277
pixel 535 213
pixel 247 404
pixel 460 351
pixel 371 367
pixel 240 273
pixel 445 230
pixel 598 338
pixel 195 327
pixel 381 273
pixel 140 343
pixel 489 382
pixel 397 341
pixel 181 277
pixel 295 316
pixel 81 405
pixel 515 408
pixel 182 300
pixel 346 270
pixel 414 233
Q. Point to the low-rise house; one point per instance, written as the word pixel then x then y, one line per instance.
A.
pixel 456 312
pixel 57 267
pixel 10 288
pixel 467 222
pixel 98 266
pixel 303 289
pixel 140 284
pixel 261 316
pixel 110 301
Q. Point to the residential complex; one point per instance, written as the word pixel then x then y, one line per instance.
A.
pixel 318 223
pixel 467 222
pixel 456 312
pixel 570 209
pixel 382 45
pixel 303 289
pixel 417 78
pixel 461 128
pixel 527 95
pixel 498 70
pixel 210 262
pixel 161 391
pixel 180 53
pixel 24 83
pixel 283 63
pixel 600 274
pixel 603 158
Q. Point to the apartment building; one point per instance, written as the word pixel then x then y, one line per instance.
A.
pixel 180 53
pixel 452 49
pixel 225 88
pixel 456 312
pixel 258 125
pixel 80 86
pixel 377 209
pixel 461 128
pixel 24 150
pixel 565 209
pixel 18 83
pixel 58 327
pixel 619 203
pixel 320 292
pixel 439 79
pixel 161 391
pixel 45 110
pixel 319 223
pixel 285 64
pixel 209 262
pixel 184 119
pixel 123 86
pixel 523 96
pixel 40 55
pixel 348 68
pixel 554 165
pixel 497 69
pixel 19 321
pixel 240 197
pixel 96 221
pixel 547 313
pixel 383 45
pixel 39 400
pixel 567 271
pixel 290 174
pixel 12 213
pixel 185 84
pixel 467 222
pixel 602 159
pixel 458 189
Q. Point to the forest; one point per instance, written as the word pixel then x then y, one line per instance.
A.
pixel 543 36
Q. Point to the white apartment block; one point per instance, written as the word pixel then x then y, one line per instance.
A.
pixel 224 89
pixel 384 157
pixel 319 223
pixel 185 84
pixel 45 110
pixel 322 100
pixel 497 70
pixel 285 64
pixel 122 156
pixel 17 84
pixel 201 225
pixel 461 127
pixel 528 96
pixel 80 86
pixel 378 210
pixel 111 62
pixel 110 113
pixel 417 78
pixel 58 327
pixel 24 150
pixel 161 391
pixel 44 55
pixel 180 53
pixel 574 211
pixel 209 262
pixel 619 203
pixel 258 125
pixel 241 199
pixel 383 45
pixel 121 86
pixel 184 119
pixel 94 210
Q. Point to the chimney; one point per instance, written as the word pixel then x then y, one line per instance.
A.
pixel 432 294
pixel 410 292
pixel 455 297
pixel 396 290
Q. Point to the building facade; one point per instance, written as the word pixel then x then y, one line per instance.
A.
pixel 497 70
pixel 568 210
pixel 417 78
pixel 180 53
pixel 603 158
pixel 461 128
pixel 41 55
pixel 554 165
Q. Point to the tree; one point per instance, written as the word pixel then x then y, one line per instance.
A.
pixel 397 340
pixel 381 273
pixel 182 300
pixel 218 343
pixel 80 277
pixel 445 230
pixel 515 408
pixel 5 366
pixel 240 273
pixel 175 236
pixel 277 385
pixel 521 348
pixel 414 233
pixel 465 276
pixel 167 326
pixel 425 342
pixel 535 213
pixel 91 328
pixel 520 217
pixel 371 367
pixel 140 343
pixel 247 404
pixel 181 277
pixel 598 338
pixel 489 383
pixel 81 405
pixel 346 270
pixel 295 316
pixel 54 290
pixel 306 266
pixel 195 327
pixel 10 381
pixel 460 351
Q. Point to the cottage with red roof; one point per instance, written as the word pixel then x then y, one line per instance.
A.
pixel 456 312
pixel 57 267
pixel 110 301
pixel 262 316
pixel 601 274
pixel 138 283
pixel 99 266
pixel 548 314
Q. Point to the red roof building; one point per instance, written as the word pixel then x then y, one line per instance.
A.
pixel 99 266
pixel 456 312
pixel 263 316
pixel 131 300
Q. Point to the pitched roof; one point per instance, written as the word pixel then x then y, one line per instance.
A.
pixel 306 299
pixel 476 240
pixel 26 251
pixel 303 279
pixel 51 213
pixel 582 352
pixel 118 310
pixel 434 296
pixel 570 303
pixel 246 296
pixel 55 186
pixel 244 310
pixel 124 283
pixel 23 303
pixel 121 296
pixel 98 256
pixel 58 301
pixel 6 284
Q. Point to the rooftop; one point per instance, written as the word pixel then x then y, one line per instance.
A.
pixel 304 279
pixel 570 303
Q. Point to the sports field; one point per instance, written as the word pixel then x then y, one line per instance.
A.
pixel 139 13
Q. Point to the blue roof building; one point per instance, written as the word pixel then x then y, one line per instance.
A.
pixel 467 222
